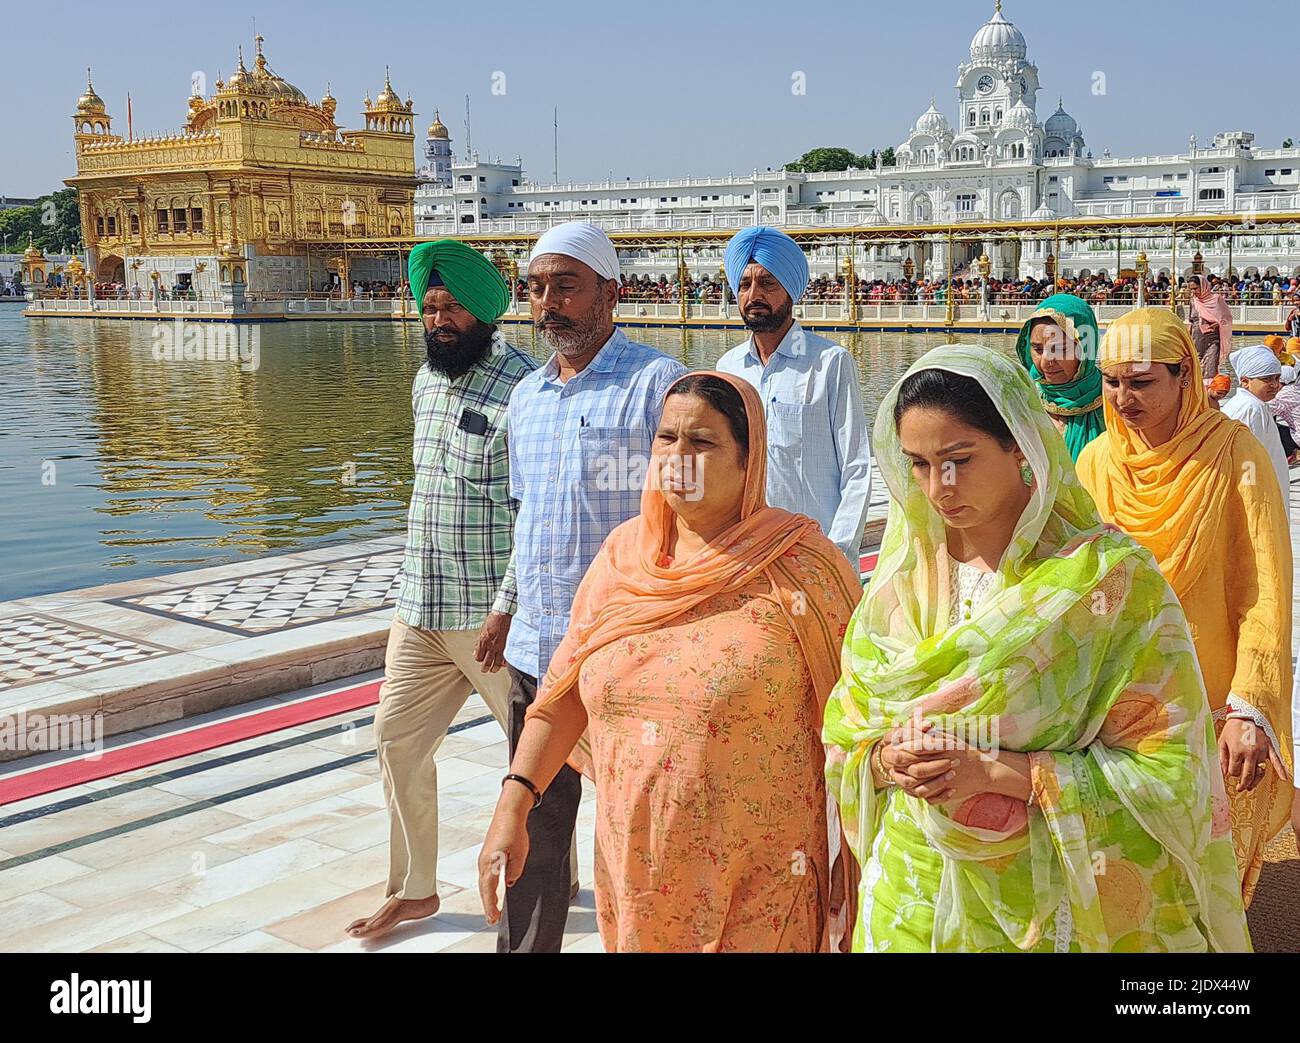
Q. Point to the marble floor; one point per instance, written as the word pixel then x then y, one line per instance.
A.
pixel 273 844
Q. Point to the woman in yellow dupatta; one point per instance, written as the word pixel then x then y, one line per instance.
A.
pixel 704 642
pixel 1197 490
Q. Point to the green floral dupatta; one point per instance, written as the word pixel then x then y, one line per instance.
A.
pixel 1081 657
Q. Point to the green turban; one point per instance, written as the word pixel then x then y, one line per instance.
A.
pixel 469 277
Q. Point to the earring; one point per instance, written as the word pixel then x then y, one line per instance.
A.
pixel 1187 383
pixel 1027 474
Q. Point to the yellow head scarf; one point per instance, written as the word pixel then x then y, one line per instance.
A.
pixel 1170 498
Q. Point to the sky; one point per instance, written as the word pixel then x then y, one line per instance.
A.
pixel 657 89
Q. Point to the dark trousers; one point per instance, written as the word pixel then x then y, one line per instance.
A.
pixel 1288 440
pixel 537 906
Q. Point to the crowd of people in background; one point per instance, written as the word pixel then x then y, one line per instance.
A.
pixel 1256 288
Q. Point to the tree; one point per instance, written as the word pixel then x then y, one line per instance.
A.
pixel 887 158
pixel 53 221
pixel 818 160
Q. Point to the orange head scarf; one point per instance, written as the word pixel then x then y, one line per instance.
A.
pixel 1170 497
pixel 632 588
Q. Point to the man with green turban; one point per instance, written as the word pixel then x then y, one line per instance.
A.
pixel 460 533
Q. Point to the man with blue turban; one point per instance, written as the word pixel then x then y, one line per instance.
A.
pixel 818 453
pixel 460 532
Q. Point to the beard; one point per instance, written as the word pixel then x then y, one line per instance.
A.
pixel 764 321
pixel 570 337
pixel 460 352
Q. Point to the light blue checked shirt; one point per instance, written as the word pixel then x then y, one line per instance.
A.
pixel 818 452
pixel 578 456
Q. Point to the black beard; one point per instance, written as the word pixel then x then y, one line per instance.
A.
pixel 455 358
pixel 767 323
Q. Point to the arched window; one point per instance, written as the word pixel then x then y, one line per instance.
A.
pixel 1211 193
pixel 970 118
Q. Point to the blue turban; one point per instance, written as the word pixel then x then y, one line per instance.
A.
pixel 775 251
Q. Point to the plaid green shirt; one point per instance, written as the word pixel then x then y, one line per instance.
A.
pixel 461 524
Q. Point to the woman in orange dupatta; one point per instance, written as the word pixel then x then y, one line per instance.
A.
pixel 704 642
pixel 1198 491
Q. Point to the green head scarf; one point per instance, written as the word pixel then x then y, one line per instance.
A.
pixel 469 276
pixel 1078 403
pixel 1080 656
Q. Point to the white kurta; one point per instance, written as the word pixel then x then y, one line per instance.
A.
pixel 1256 415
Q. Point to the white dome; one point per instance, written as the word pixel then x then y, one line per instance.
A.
pixel 931 122
pixel 1043 213
pixel 1019 117
pixel 1060 124
pixel 997 38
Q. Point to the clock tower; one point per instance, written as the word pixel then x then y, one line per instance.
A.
pixel 997 79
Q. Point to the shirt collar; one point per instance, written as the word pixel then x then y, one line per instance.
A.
pixel 793 344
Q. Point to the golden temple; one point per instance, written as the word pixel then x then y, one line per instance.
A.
pixel 234 202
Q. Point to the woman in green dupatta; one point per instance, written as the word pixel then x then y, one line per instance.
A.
pixel 1058 345
pixel 1020 741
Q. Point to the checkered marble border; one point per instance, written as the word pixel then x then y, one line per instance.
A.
pixel 266 602
pixel 36 647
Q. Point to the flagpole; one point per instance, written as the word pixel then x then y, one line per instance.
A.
pixel 130 132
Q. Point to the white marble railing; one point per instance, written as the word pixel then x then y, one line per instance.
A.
pixel 117 306
pixel 353 306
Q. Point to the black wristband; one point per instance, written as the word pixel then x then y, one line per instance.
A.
pixel 537 794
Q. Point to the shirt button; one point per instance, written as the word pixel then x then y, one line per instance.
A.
pixel 546 568
pixel 546 611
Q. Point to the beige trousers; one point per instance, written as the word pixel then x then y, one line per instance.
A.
pixel 428 675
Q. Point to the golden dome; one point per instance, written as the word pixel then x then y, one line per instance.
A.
pixel 275 86
pixel 327 103
pixel 90 102
pixel 240 79
pixel 33 252
pixel 436 128
pixel 388 101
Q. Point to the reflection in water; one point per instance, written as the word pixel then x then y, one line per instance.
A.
pixel 115 466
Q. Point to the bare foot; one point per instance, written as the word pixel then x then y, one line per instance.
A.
pixel 391 913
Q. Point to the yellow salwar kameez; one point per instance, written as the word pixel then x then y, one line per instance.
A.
pixel 1207 505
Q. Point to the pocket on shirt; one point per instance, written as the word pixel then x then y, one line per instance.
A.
pixel 789 424
pixel 469 456
pixel 614 459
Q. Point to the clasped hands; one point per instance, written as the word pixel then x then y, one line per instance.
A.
pixel 933 765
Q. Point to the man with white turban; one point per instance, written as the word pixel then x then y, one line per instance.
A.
pixel 819 456
pixel 1260 375
pixel 581 429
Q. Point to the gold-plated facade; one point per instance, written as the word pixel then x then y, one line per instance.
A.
pixel 258 170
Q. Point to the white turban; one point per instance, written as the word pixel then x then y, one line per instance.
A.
pixel 1288 374
pixel 583 242
pixel 1255 361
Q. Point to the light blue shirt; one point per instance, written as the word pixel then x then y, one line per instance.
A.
pixel 818 452
pixel 578 457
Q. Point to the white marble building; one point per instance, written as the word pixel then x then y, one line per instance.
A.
pixel 996 160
